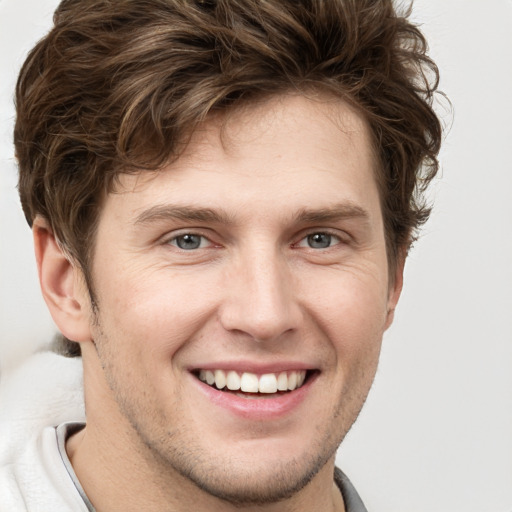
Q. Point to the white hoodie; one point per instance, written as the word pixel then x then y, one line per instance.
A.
pixel 41 394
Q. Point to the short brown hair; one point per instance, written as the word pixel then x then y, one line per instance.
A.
pixel 117 85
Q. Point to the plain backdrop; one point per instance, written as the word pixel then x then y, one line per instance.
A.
pixel 436 432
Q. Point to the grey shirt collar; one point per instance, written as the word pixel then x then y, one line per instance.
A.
pixel 353 502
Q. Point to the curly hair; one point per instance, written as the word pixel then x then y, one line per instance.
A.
pixel 117 86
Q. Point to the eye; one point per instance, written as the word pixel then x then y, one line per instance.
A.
pixel 189 242
pixel 319 241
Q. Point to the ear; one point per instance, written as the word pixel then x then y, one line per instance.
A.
pixel 62 284
pixel 395 288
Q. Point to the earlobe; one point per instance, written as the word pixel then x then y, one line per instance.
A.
pixel 60 282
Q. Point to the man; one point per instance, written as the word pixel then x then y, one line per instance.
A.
pixel 222 196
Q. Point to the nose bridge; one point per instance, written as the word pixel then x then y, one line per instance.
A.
pixel 261 300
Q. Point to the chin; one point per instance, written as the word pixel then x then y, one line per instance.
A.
pixel 244 485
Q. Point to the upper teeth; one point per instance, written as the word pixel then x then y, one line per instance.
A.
pixel 252 383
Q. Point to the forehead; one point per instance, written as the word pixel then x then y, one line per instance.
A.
pixel 285 151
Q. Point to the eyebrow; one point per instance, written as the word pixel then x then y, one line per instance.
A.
pixel 335 213
pixel 195 214
pixel 185 213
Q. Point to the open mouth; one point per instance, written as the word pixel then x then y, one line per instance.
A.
pixel 251 385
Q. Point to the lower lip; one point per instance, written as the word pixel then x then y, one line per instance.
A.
pixel 257 408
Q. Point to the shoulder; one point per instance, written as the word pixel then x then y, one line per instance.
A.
pixel 45 390
pixel 35 479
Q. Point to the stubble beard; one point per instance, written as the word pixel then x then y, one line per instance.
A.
pixel 238 483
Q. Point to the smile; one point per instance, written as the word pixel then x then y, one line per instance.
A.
pixel 246 382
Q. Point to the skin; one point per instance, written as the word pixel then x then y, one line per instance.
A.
pixel 254 292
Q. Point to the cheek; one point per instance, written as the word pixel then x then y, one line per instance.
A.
pixel 350 308
pixel 154 313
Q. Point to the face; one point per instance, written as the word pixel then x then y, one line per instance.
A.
pixel 242 296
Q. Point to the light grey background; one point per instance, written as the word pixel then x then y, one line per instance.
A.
pixel 436 433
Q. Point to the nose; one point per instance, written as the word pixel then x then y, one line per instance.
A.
pixel 261 297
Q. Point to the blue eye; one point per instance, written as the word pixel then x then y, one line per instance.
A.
pixel 319 240
pixel 188 242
